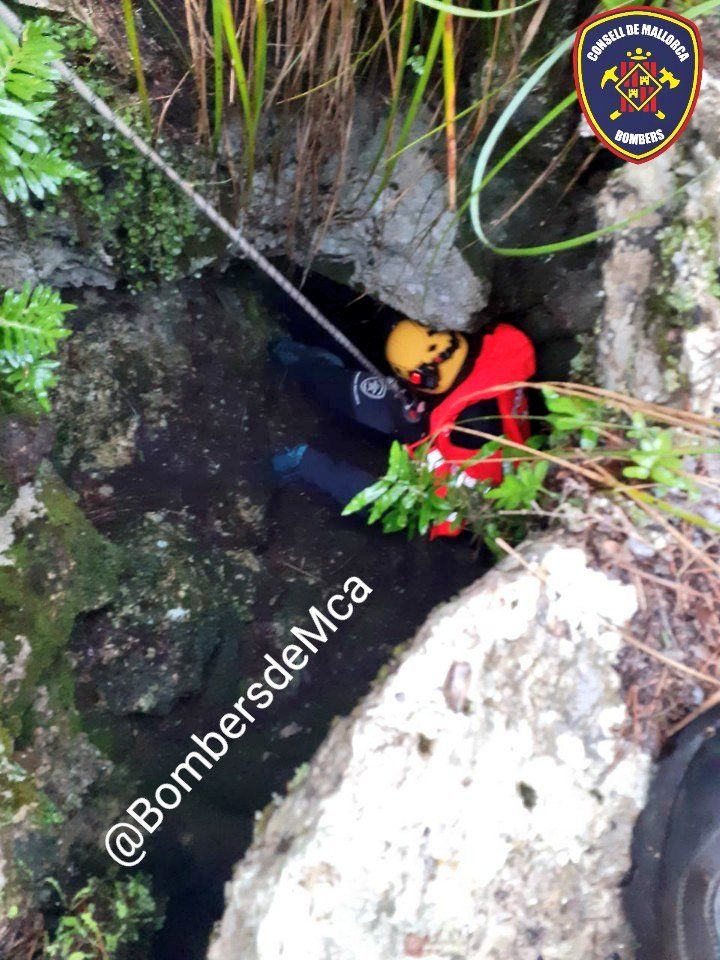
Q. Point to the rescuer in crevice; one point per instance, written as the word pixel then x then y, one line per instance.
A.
pixel 450 378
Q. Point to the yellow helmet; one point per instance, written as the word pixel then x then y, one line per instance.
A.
pixel 428 359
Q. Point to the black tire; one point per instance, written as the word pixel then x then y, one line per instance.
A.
pixel 670 896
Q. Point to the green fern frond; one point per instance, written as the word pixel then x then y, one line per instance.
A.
pixel 31 326
pixel 28 163
pixel 24 375
pixel 38 174
pixel 26 65
pixel 31 321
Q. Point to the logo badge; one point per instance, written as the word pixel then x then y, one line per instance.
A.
pixel 637 75
pixel 374 388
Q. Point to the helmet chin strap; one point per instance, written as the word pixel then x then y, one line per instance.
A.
pixel 427 375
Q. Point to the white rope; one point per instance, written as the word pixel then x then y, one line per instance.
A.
pixel 233 234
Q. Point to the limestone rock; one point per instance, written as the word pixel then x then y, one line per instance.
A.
pixel 398 247
pixel 54 566
pixel 479 802
pixel 627 358
pixel 123 369
pixel 50 257
pixel 149 649
pixel 24 442
pixel 659 329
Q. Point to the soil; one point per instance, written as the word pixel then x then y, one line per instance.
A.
pixel 673 675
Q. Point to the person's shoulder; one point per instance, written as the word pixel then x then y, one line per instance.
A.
pixel 504 336
pixel 509 349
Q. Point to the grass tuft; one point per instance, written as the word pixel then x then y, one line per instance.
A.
pixel 134 48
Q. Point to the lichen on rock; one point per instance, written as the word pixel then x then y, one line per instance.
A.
pixel 122 372
pixel 56 567
pixel 658 334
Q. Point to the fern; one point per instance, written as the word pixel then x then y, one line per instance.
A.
pixel 39 174
pixel 26 66
pixel 31 326
pixel 29 165
pixel 31 321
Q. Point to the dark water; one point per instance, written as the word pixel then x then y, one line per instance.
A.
pixel 233 415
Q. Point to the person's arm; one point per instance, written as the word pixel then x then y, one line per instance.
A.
pixel 362 397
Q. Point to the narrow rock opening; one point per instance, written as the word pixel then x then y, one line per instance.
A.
pixel 218 562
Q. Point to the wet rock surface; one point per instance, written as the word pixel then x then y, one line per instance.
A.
pixel 24 442
pixel 53 567
pixel 478 803
pixel 149 649
pixel 148 565
pixel 124 370
pixel 47 255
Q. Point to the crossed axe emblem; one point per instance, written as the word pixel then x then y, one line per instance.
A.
pixel 665 78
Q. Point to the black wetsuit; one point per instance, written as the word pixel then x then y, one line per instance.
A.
pixel 367 399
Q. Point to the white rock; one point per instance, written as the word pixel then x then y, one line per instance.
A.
pixel 25 509
pixel 501 831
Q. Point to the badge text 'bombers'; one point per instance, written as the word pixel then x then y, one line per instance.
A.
pixel 638 72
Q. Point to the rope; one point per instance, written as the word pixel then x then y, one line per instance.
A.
pixel 222 224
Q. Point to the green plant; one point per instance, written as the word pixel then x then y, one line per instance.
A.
pixel 424 74
pixel 29 163
pixel 655 457
pixel 102 919
pixel 251 90
pixel 481 176
pixel 521 487
pixel 568 415
pixel 406 497
pixel 609 443
pixel 320 55
pixel 134 45
pixel 31 326
pixel 136 216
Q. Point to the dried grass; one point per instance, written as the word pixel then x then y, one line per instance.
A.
pixel 673 671
pixel 317 54
pixel 670 666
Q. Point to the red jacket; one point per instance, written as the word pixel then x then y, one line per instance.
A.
pixel 506 356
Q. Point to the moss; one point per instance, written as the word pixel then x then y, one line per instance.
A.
pixel 172 608
pixel 47 816
pixel 298 777
pixel 262 817
pixel 686 269
pixel 59 567
pixel 138 217
pixel 582 365
pixel 688 256
pixel 17 787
